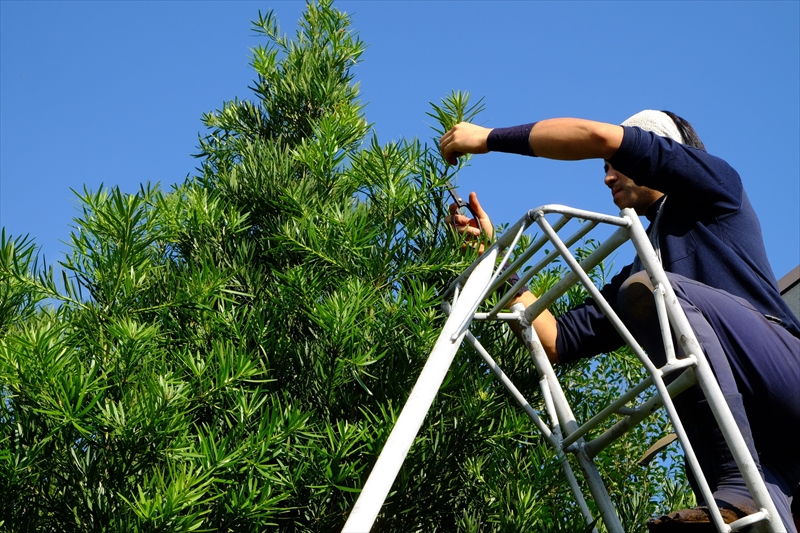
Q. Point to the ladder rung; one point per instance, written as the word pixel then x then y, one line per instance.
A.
pixel 749 520
pixel 595 446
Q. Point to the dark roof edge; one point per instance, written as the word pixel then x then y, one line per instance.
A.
pixel 789 280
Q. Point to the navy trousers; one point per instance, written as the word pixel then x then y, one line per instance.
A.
pixel 757 364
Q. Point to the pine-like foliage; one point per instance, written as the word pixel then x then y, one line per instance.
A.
pixel 231 355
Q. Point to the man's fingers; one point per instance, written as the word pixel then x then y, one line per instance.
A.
pixel 463 224
pixel 473 231
pixel 451 157
pixel 444 144
pixel 446 138
pixel 455 217
pixel 476 208
pixel 458 220
pixel 448 145
pixel 475 205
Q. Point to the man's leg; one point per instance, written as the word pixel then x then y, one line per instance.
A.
pixel 638 310
pixel 764 358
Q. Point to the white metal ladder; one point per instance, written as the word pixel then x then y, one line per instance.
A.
pixel 483 278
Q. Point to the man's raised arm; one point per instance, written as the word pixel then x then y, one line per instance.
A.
pixel 557 138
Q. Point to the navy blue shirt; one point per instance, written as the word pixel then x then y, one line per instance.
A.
pixel 708 232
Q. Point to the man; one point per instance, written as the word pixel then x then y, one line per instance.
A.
pixel 708 239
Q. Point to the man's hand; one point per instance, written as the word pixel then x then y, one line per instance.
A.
pixel 464 138
pixel 469 226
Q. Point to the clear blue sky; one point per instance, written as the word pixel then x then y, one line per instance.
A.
pixel 112 92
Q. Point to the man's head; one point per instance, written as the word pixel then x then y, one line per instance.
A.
pixel 666 124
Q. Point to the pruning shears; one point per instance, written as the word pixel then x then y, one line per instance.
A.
pixel 461 203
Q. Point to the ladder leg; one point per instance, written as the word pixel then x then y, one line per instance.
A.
pixel 561 414
pixel 394 452
pixel 552 437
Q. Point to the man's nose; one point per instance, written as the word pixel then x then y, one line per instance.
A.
pixel 610 179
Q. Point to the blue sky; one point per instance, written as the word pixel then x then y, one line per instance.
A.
pixel 112 92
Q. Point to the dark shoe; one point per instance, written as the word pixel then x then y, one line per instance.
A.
pixel 694 520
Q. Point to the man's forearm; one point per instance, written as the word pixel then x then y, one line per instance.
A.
pixel 545 326
pixel 557 138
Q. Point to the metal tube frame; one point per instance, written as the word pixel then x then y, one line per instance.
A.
pixel 564 433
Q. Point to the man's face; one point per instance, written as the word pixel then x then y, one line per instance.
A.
pixel 627 194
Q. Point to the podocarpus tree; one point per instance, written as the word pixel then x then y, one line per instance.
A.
pixel 231 355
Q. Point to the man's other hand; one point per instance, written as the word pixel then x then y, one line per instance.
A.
pixel 469 226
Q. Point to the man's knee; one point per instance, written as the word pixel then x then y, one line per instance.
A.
pixel 635 300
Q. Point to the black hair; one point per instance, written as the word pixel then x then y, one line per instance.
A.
pixel 690 137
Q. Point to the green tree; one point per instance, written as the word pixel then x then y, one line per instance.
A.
pixel 231 354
